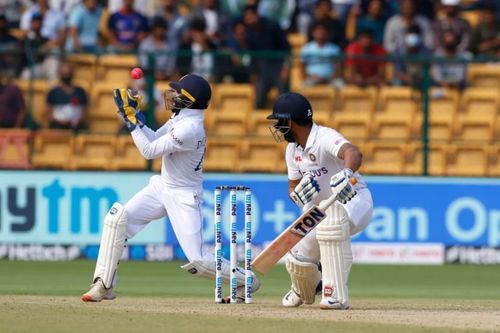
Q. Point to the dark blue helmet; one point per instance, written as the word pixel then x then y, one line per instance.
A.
pixel 195 89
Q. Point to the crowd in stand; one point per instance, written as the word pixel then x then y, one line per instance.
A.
pixel 241 41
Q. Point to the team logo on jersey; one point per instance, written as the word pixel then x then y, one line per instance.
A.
pixel 312 157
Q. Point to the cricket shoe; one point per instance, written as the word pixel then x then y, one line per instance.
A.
pixel 331 303
pixel 98 293
pixel 292 299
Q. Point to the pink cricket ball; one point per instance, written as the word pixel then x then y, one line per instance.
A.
pixel 136 73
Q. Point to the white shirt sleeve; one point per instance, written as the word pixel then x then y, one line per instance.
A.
pixel 293 170
pixel 333 142
pixel 153 135
pixel 25 23
pixel 177 140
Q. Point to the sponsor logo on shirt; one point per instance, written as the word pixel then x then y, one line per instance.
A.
pixel 176 139
pixel 298 158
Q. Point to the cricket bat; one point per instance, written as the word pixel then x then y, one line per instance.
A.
pixel 292 235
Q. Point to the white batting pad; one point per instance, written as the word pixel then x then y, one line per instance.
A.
pixel 305 277
pixel 336 256
pixel 112 244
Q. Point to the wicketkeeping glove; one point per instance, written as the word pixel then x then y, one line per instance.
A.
pixel 341 187
pixel 305 191
pixel 127 104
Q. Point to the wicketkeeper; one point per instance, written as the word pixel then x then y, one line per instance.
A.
pixel 177 192
pixel 321 163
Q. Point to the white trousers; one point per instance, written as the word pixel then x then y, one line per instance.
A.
pixel 181 205
pixel 359 209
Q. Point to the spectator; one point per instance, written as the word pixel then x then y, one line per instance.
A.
pixel 8 61
pixel 13 9
pixel 164 54
pixel 269 70
pixel 38 61
pixel 486 35
pixel 449 74
pixel 127 28
pixel 451 21
pixel 343 9
pixel 365 72
pixel 410 73
pixel 196 53
pixel 396 27
pixel 235 67
pixel 318 65
pixel 177 24
pixel 66 103
pixel 12 106
pixel 305 15
pixel 336 31
pixel 234 8
pixel 53 23
pixel 218 23
pixel 84 27
pixel 373 20
pixel 64 6
pixel 280 12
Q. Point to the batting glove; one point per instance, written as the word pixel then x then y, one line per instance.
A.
pixel 305 191
pixel 341 187
pixel 127 104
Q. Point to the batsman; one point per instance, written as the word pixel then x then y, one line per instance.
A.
pixel 321 163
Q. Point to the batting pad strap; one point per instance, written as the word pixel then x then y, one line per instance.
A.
pixel 305 277
pixel 337 233
pixel 206 269
pixel 112 243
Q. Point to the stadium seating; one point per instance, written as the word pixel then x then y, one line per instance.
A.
pixel 52 149
pixel 443 106
pixel 102 117
pixel 84 66
pixel 93 152
pixel 438 159
pixel 227 123
pixel 257 122
pixel 127 156
pixel 321 97
pixel 14 148
pixel 413 159
pixel 223 154
pixel 116 68
pixel 483 75
pixel 233 97
pixel 384 158
pixel 396 116
pixel 354 117
pixel 494 161
pixel 35 96
pixel 261 154
pixel 467 159
pixel 478 111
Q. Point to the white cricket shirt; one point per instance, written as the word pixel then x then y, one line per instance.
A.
pixel 181 144
pixel 320 157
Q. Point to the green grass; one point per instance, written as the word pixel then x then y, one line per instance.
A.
pixel 167 279
pixel 160 297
